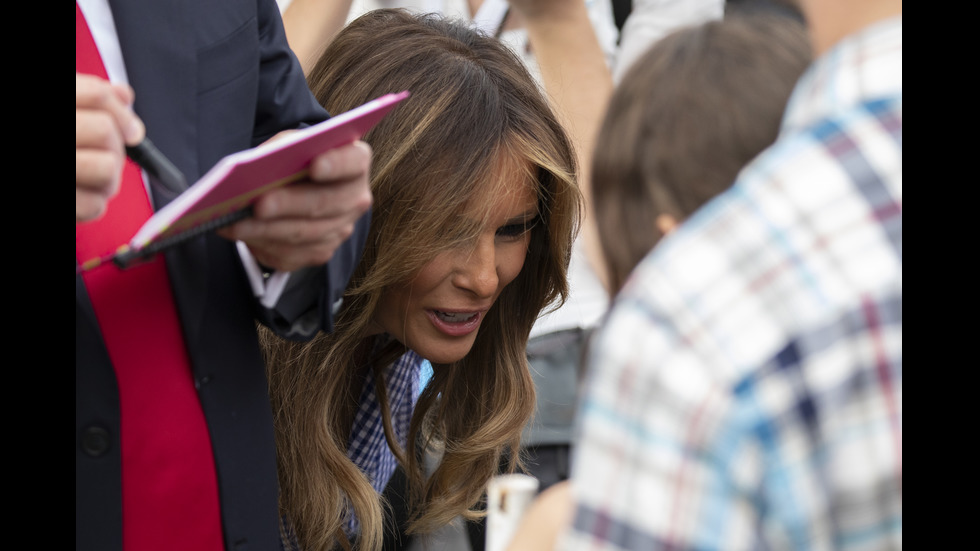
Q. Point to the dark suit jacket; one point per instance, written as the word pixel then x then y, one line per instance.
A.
pixel 211 77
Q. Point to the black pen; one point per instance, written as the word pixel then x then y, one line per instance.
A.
pixel 156 164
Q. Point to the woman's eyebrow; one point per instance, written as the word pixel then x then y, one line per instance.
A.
pixel 525 217
pixel 530 214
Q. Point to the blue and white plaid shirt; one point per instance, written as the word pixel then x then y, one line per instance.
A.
pixel 368 448
pixel 745 390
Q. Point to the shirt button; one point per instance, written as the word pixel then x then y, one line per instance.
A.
pixel 95 441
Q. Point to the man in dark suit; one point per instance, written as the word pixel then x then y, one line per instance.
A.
pixel 174 438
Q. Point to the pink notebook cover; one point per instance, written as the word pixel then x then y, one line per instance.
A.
pixel 240 178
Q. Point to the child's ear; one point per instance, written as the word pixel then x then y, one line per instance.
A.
pixel 666 223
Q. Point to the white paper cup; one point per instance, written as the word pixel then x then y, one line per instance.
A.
pixel 508 497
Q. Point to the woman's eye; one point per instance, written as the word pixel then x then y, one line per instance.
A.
pixel 516 230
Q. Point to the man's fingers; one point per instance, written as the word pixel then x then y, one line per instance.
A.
pixel 314 200
pixel 88 205
pixel 97 129
pixel 98 171
pixel 104 122
pixel 342 163
pixel 302 224
pixel 99 154
pixel 94 93
pixel 293 232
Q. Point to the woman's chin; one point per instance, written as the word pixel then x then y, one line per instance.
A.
pixel 444 353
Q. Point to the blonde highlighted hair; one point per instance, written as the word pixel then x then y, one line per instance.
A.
pixel 473 103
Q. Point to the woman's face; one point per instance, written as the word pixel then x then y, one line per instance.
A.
pixel 438 313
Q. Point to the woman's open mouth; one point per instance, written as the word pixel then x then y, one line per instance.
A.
pixel 455 324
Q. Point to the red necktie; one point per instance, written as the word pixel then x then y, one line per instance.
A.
pixel 169 486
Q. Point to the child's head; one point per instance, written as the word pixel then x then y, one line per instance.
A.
pixel 701 104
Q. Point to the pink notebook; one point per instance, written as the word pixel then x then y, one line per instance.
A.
pixel 226 192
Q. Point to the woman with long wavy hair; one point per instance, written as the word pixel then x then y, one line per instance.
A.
pixel 475 209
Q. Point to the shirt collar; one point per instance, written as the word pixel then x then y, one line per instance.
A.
pixel 866 65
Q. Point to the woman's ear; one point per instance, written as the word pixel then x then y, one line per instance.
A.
pixel 666 223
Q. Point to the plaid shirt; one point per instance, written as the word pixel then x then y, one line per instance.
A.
pixel 745 390
pixel 368 448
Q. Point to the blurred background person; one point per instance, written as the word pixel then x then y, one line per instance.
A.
pixel 687 117
pixel 311 24
pixel 745 390
pixel 650 20
pixel 695 110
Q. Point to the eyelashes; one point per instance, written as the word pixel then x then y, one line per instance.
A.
pixel 460 235
pixel 517 230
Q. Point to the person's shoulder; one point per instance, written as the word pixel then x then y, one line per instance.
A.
pixel 837 154
pixel 803 231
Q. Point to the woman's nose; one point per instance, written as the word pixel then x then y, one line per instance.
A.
pixel 476 270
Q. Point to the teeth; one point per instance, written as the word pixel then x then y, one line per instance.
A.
pixel 454 318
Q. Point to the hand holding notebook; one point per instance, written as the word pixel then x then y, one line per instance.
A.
pixel 226 193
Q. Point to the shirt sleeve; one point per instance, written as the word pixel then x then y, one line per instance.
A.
pixel 293 304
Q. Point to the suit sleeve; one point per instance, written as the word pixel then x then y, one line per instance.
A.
pixel 313 295
pixel 284 98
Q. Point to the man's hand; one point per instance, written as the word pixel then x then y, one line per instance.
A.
pixel 302 224
pixel 104 124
